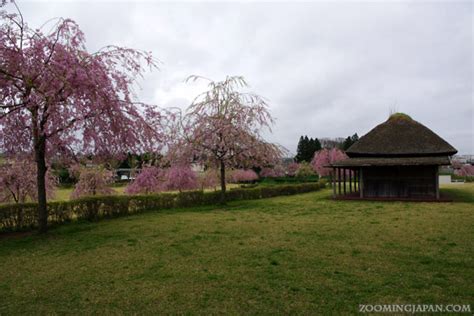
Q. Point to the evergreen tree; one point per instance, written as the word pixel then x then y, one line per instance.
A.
pixel 306 149
pixel 316 146
pixel 355 138
pixel 300 150
pixel 310 151
pixel 303 149
pixel 349 141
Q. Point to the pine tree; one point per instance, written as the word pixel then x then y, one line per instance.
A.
pixel 347 143
pixel 315 147
pixel 300 150
pixel 310 150
pixel 306 149
pixel 355 138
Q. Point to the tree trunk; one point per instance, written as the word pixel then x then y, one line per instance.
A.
pixel 40 147
pixel 223 187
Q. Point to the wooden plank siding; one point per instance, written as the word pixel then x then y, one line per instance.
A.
pixel 400 181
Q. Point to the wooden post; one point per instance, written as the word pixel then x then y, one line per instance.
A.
pixel 437 182
pixel 361 183
pixel 357 181
pixel 344 179
pixel 350 180
pixel 339 180
pixel 356 176
pixel 333 178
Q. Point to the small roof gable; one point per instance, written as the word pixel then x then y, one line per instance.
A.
pixel 400 135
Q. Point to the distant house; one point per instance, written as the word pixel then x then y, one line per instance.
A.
pixel 398 159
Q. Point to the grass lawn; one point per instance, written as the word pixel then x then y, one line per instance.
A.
pixel 301 254
pixel 64 194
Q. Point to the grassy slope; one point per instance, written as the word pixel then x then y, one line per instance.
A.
pixel 303 253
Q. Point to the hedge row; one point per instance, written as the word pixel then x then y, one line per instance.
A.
pixel 464 178
pixel 15 217
pixel 287 179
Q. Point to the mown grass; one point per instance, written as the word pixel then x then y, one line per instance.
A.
pixel 302 254
pixel 64 194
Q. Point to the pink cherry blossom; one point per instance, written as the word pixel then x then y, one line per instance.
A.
pixel 273 172
pixel 243 175
pixel 18 181
pixel 93 181
pixel 456 164
pixel 56 98
pixel 324 157
pixel 208 179
pixel 149 180
pixel 181 177
pixel 304 170
pixel 465 171
pixel 222 129
pixel 292 168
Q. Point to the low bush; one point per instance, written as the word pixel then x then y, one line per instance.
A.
pixel 463 178
pixel 279 180
pixel 23 216
pixel 323 182
pixel 247 186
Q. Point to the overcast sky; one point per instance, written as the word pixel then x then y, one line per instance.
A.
pixel 326 69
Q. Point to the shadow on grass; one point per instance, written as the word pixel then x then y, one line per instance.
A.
pixel 458 195
pixel 77 226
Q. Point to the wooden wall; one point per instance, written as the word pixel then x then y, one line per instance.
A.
pixel 406 182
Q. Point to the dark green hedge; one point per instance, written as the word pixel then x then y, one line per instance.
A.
pixel 291 180
pixel 464 178
pixel 15 217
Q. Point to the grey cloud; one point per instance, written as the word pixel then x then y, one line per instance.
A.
pixel 327 69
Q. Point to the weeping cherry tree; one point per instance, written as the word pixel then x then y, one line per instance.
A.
pixel 57 98
pixel 223 129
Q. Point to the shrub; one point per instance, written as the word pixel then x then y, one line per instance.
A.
pixel 18 181
pixel 208 179
pixel 273 172
pixel 465 171
pixel 288 180
pixel 154 180
pixel 63 175
pixel 323 182
pixel 23 216
pixel 248 185
pixel 149 180
pixel 180 178
pixel 189 198
pixel 304 170
pixel 93 181
pixel 243 175
pixel 324 157
pixel 267 173
pixel 291 169
pixel 463 178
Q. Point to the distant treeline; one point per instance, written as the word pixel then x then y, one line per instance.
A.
pixel 308 146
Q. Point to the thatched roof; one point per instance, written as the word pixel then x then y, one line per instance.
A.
pixel 395 161
pixel 400 135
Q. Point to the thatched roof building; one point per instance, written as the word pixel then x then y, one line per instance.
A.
pixel 397 159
